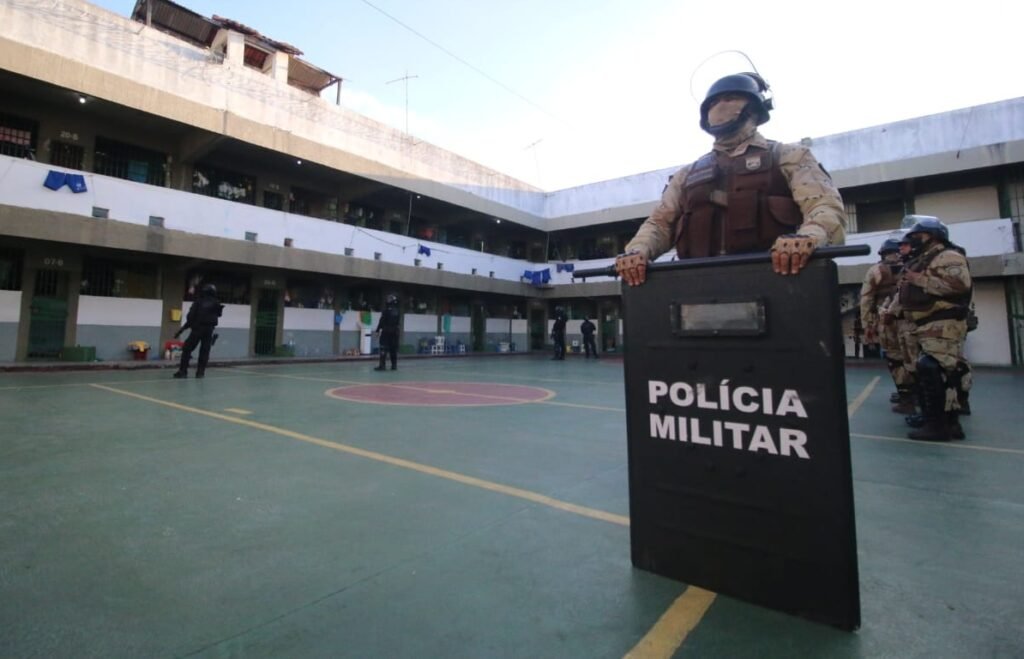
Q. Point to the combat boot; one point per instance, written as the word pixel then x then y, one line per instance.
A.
pixel 905 404
pixel 180 374
pixel 933 430
pixel 200 374
pixel 964 401
pixel 956 431
pixel 915 420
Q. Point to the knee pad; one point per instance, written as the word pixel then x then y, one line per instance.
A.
pixel 929 368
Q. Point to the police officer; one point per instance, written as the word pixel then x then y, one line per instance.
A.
pixel 387 330
pixel 935 294
pixel 748 194
pixel 875 294
pixel 202 318
pixel 558 334
pixel 588 328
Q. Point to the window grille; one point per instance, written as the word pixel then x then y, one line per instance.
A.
pixel 17 136
pixel 116 278
pixel 70 156
pixel 224 184
pixel 126 161
pixel 10 269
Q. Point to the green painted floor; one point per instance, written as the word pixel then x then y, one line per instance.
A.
pixel 249 514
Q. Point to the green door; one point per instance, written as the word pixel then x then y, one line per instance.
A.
pixel 49 314
pixel 266 322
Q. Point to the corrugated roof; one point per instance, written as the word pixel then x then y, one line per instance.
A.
pixel 186 24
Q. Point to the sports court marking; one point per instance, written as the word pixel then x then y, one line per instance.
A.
pixel 592 513
pixel 235 410
pixel 441 394
pixel 667 634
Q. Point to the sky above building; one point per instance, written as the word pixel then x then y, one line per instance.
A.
pixel 560 93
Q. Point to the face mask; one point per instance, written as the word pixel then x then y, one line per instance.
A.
pixel 916 243
pixel 723 112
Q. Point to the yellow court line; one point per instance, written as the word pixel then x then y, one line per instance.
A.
pixel 387 459
pixel 580 405
pixel 855 404
pixel 674 625
pixel 235 410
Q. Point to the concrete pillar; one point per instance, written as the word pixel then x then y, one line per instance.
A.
pixel 279 65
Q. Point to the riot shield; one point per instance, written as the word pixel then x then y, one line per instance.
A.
pixel 739 456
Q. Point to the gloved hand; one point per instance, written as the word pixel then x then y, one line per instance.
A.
pixel 178 333
pixel 791 252
pixel 632 267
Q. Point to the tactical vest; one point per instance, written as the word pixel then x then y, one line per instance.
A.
pixel 915 298
pixel 735 204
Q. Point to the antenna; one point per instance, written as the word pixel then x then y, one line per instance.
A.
pixel 406 78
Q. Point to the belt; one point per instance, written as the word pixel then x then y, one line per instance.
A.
pixel 956 313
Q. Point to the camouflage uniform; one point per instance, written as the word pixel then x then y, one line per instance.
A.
pixel 937 306
pixel 876 294
pixel 824 217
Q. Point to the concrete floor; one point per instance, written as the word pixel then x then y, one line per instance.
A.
pixel 249 514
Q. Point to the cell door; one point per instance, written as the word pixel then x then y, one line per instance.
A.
pixel 49 314
pixel 538 329
pixel 266 322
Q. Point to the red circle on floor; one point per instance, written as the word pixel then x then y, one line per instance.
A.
pixel 460 394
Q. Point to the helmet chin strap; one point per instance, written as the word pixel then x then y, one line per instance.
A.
pixel 730 127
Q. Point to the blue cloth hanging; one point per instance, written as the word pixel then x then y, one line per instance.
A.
pixel 77 183
pixel 55 180
pixel 424 250
pixel 545 275
pixel 565 267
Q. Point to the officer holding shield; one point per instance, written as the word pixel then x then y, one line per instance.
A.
pixel 748 194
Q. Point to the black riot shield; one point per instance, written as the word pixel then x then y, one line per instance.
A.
pixel 739 449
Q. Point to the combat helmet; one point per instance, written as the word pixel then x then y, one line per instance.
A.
pixel 889 246
pixel 751 85
pixel 928 224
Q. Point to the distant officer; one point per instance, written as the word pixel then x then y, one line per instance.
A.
pixel 558 334
pixel 202 319
pixel 748 194
pixel 875 294
pixel 387 330
pixel 588 328
pixel 935 293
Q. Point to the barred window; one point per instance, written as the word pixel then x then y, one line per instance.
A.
pixel 17 136
pixel 130 162
pixel 232 287
pixel 273 200
pixel 117 278
pixel 223 184
pixel 10 269
pixel 70 156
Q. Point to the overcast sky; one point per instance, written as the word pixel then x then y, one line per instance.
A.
pixel 560 93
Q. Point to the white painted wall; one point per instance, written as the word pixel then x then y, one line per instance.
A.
pixel 10 306
pixel 990 343
pixel 350 320
pixel 460 324
pixel 119 311
pixel 235 316
pixel 959 205
pixel 308 319
pixel 502 325
pixel 418 322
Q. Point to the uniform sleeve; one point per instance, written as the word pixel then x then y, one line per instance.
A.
pixel 868 310
pixel 815 194
pixel 947 275
pixel 654 237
